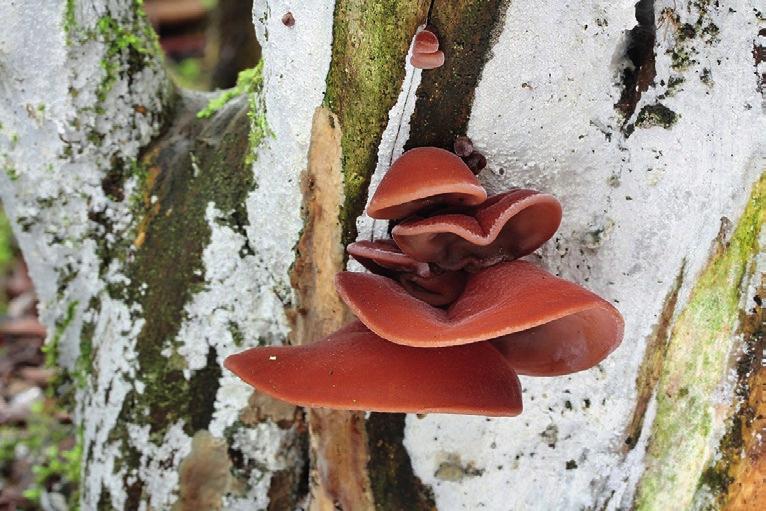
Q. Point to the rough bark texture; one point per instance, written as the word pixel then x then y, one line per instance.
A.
pixel 160 242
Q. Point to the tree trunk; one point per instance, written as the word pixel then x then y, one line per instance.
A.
pixel 161 241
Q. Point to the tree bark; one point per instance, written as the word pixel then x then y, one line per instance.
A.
pixel 161 240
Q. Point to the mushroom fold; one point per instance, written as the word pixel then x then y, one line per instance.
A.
pixel 354 369
pixel 425 51
pixel 544 325
pixel 384 258
pixel 506 226
pixel 423 178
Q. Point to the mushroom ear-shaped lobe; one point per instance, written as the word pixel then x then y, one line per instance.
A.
pixel 426 42
pixel 508 298
pixel 427 60
pixel 383 257
pixel 422 178
pixel 505 227
pixel 354 369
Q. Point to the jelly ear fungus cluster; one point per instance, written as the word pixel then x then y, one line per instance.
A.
pixel 448 315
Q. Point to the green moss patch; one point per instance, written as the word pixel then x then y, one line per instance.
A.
pixel 370 42
pixel 695 362
pixel 168 266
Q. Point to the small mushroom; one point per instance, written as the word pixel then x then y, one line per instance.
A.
pixel 422 178
pixel 435 287
pixel 426 42
pixel 543 324
pixel 383 257
pixel 425 51
pixel 506 226
pixel 354 369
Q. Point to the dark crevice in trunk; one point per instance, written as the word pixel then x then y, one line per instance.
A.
pixel 394 484
pixel 759 56
pixel 467 31
pixel 203 387
pixel 639 51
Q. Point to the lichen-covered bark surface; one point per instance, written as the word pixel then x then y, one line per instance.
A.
pixel 160 242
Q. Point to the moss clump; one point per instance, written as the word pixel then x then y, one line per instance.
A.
pixel 133 43
pixel 696 357
pixel 249 81
pixel 656 115
pixel 370 42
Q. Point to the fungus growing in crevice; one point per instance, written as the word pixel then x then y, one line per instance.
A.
pixel 448 316
pixel 434 286
pixel 473 159
pixel 425 51
pixel 354 369
pixel 421 179
pixel 505 227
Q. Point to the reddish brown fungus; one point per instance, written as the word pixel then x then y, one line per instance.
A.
pixel 354 369
pixel 288 19
pixel 422 178
pixel 463 147
pixel 383 257
pixel 545 325
pixel 433 337
pixel 427 60
pixel 506 226
pixel 476 162
pixel 426 42
pixel 425 51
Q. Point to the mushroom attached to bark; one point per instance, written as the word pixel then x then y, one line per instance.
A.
pixel 425 51
pixel 354 369
pixel 505 227
pixel 423 178
pixel 544 325
pixel 382 257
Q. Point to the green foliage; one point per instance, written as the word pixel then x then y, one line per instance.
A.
pixel 40 441
pixel 188 73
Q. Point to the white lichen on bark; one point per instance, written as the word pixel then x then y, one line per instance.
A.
pixel 68 113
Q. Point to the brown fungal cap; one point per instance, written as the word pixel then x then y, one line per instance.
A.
pixel 426 42
pixel 506 226
pixel 476 162
pixel 421 178
pixel 546 325
pixel 288 19
pixel 354 369
pixel 425 51
pixel 427 60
